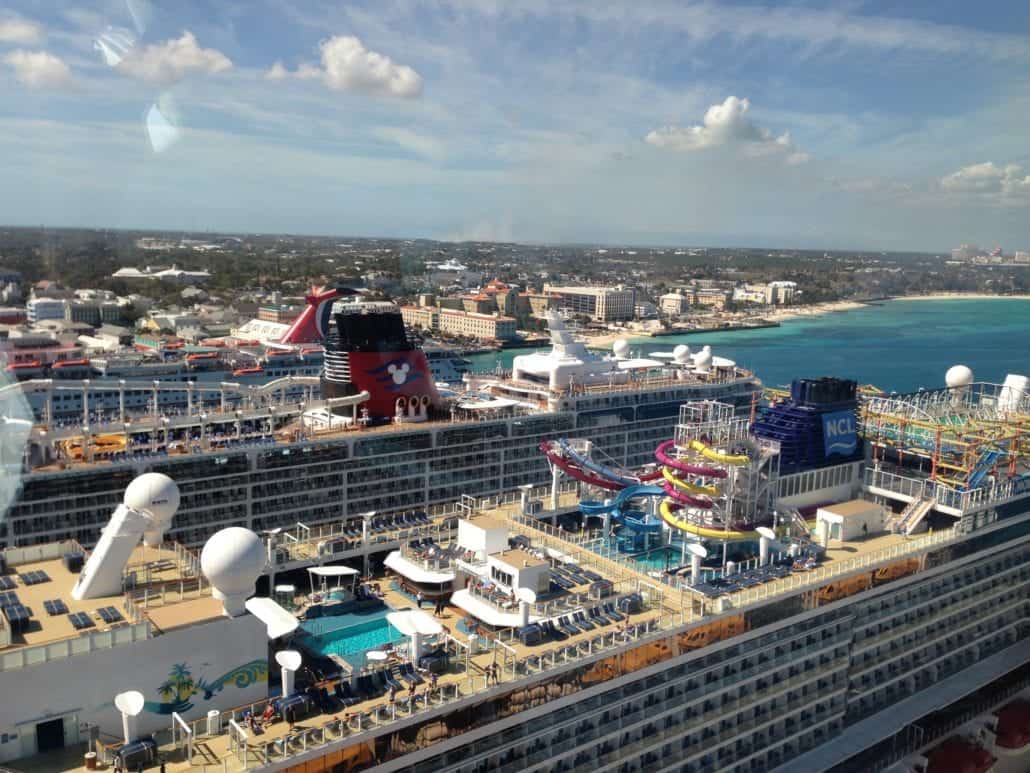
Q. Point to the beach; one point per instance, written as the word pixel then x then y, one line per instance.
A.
pixel 959 297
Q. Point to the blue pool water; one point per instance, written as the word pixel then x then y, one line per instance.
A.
pixel 348 635
pixel 657 560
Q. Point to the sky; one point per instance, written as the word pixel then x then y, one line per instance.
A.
pixel 846 125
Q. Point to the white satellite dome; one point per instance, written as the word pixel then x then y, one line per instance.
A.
pixel 154 494
pixel 681 353
pixel 958 376
pixel 621 347
pixel 232 560
pixel 704 358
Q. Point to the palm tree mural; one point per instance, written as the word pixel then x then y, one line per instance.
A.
pixel 182 682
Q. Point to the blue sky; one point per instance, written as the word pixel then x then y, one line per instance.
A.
pixel 885 125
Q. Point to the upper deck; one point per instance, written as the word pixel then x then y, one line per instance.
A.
pixel 163 590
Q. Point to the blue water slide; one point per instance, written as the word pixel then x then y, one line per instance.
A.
pixel 589 507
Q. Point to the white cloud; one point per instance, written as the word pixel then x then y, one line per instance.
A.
pixel 19 31
pixel 417 143
pixel 346 65
pixel 39 69
pixel 988 178
pixel 173 60
pixel 728 123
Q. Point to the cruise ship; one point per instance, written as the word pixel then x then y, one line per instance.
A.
pixel 829 584
pixel 372 432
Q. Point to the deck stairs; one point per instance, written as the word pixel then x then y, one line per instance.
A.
pixel 908 519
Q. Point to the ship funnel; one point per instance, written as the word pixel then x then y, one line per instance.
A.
pixel 146 512
pixel 130 704
pixel 289 661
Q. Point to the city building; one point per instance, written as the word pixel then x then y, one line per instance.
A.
pixel 39 309
pixel 504 295
pixel 478 303
pixel 1022 256
pixel 602 304
pixel 674 304
pixel 95 313
pixel 485 327
pixel 715 297
pixel 173 274
pixel 278 312
pixel 536 304
pixel 13 316
pixel 965 252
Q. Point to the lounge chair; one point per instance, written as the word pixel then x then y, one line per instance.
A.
pixel 612 612
pixel 566 626
pixel 581 621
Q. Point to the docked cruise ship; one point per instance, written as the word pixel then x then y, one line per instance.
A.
pixel 880 622
pixel 372 433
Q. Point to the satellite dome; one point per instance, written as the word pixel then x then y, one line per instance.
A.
pixel 232 560
pixel 154 494
pixel 958 376
pixel 621 347
pixel 704 358
pixel 681 353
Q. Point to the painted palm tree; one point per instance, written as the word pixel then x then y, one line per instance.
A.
pixel 181 681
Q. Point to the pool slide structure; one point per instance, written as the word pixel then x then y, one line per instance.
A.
pixel 578 466
pixel 615 506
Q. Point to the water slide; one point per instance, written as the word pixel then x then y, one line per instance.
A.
pixel 589 507
pixel 668 512
pixel 574 471
pixel 736 460
pixel 684 498
pixel 685 485
pixel 580 467
pixel 661 453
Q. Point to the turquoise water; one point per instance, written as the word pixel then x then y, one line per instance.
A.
pixel 898 345
pixel 343 636
pixel 658 560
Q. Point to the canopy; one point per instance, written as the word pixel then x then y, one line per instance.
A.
pixel 278 621
pixel 414 572
pixel 412 621
pixel 332 571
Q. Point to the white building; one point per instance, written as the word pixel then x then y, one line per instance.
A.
pixel 40 309
pixel 675 304
pixel 603 304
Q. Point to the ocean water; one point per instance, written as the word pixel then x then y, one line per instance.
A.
pixel 897 345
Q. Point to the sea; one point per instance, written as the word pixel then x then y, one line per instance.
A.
pixel 898 345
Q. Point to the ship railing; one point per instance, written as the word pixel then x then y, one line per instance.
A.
pixel 825 572
pixel 945 495
pixel 90 641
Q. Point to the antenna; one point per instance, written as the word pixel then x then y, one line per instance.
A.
pixel 767 535
pixel 289 661
pixel 697 552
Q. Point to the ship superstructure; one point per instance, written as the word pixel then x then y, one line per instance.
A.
pixel 270 455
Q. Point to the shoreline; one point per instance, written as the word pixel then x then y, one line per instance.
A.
pixel 959 297
pixel 605 340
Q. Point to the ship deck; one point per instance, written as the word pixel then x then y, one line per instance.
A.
pixel 172 598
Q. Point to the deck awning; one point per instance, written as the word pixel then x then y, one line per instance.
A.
pixel 411 621
pixel 277 620
pixel 490 615
pixel 414 572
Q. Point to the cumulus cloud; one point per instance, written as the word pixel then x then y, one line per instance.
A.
pixel 346 65
pixel 39 69
pixel 19 31
pixel 724 124
pixel 988 178
pixel 173 60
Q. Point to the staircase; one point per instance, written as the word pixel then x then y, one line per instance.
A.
pixel 908 519
pixel 798 525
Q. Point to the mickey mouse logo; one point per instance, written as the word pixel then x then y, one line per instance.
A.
pixel 399 372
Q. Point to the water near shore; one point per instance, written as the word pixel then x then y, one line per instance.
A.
pixel 899 345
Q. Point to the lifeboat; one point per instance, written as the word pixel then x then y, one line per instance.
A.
pixel 254 371
pixel 71 364
pixel 201 356
pixel 25 365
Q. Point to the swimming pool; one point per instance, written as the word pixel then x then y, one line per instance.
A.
pixel 348 640
pixel 658 560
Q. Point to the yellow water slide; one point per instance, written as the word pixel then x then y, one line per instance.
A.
pixel 690 488
pixel 736 460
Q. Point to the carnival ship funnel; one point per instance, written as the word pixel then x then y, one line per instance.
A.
pixel 368 350
pixel 313 323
